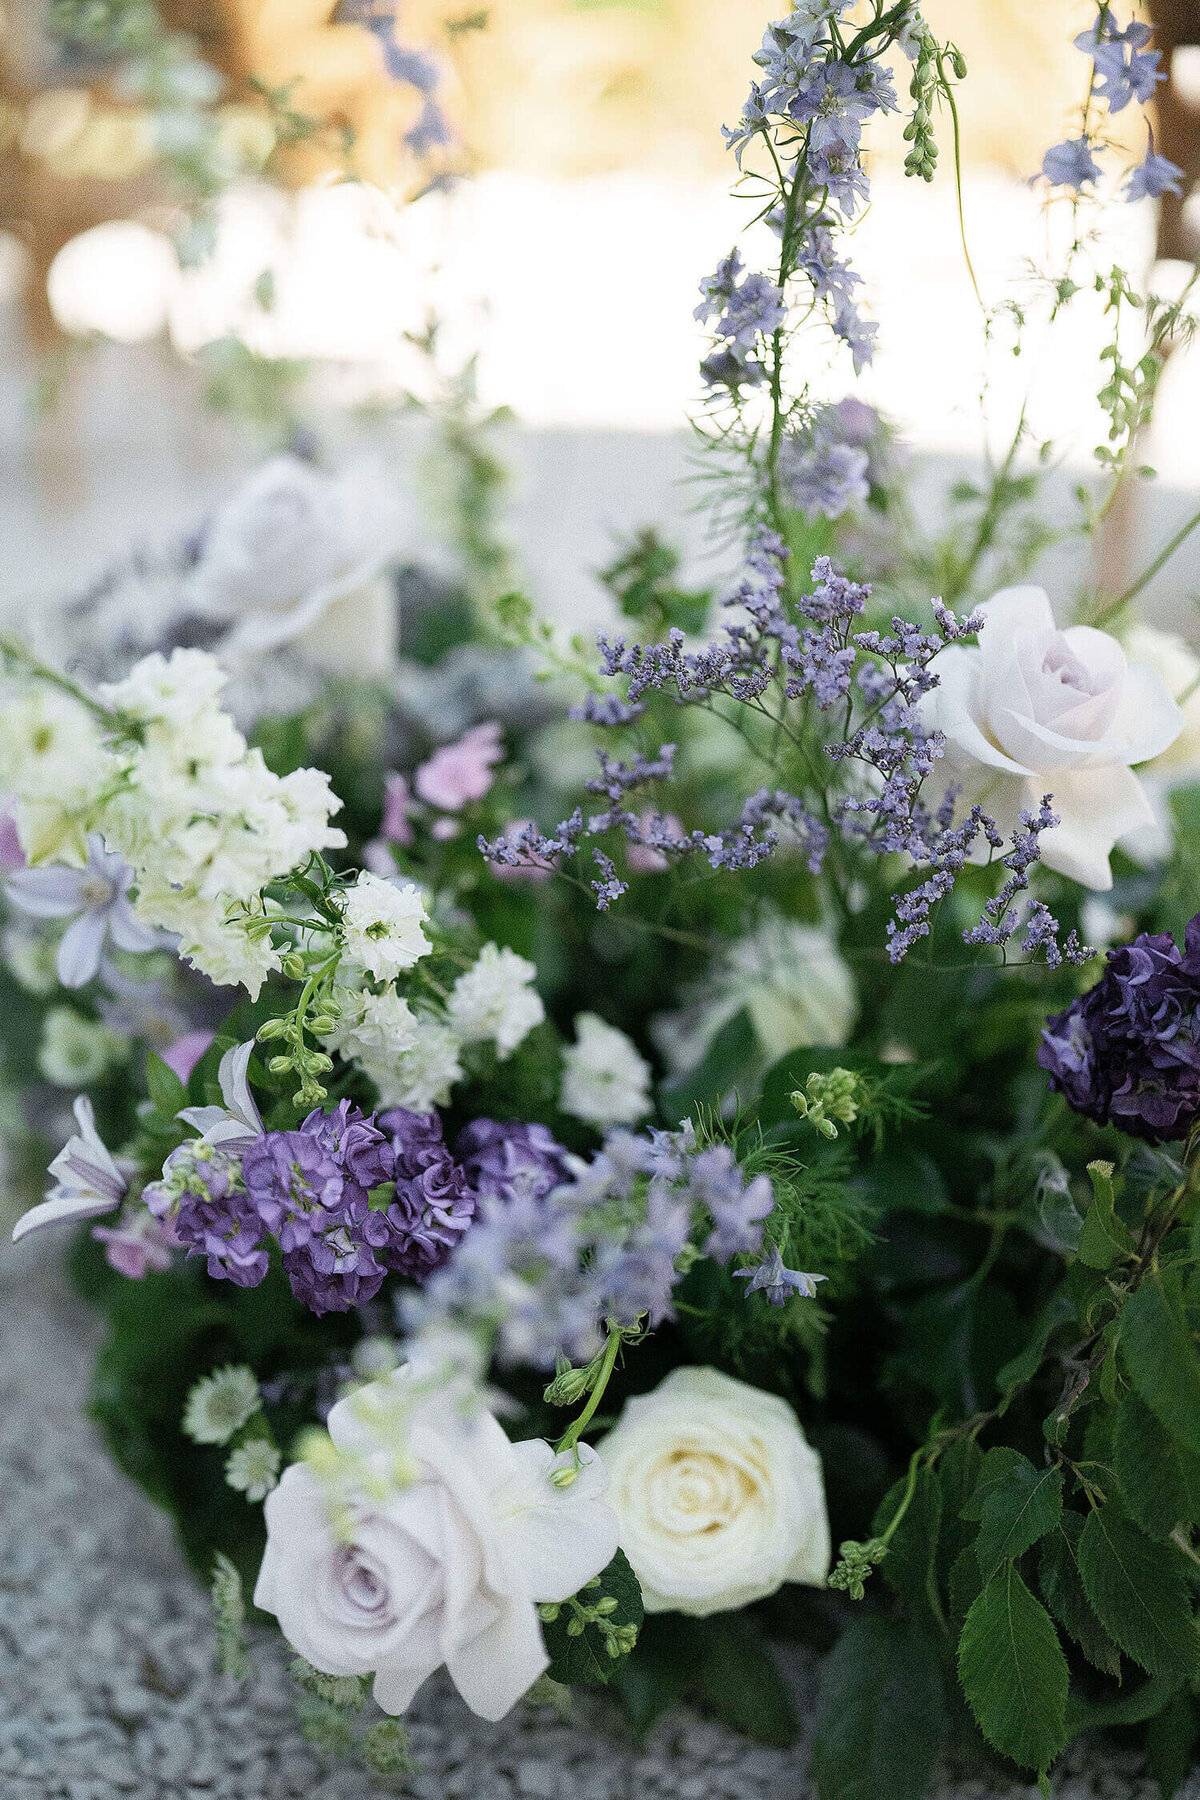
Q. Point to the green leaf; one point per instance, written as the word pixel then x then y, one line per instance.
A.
pixel 1159 1479
pixel 1105 1238
pixel 740 1681
pixel 964 1585
pixel 1170 1738
pixel 880 1714
pixel 581 1657
pixel 958 1470
pixel 994 1471
pixel 1161 1355
pixel 1134 1706
pixel 1016 1512
pixel 911 1562
pixel 733 1060
pixel 167 1092
pixel 1063 1591
pixel 1059 1310
pixel 1138 1592
pixel 1014 1673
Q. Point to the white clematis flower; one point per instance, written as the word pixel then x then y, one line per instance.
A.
pixel 1032 710
pixel 238 1121
pixel 446 1567
pixel 87 1180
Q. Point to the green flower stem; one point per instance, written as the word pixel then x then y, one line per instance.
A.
pixel 573 1433
pixel 1164 556
pixel 14 651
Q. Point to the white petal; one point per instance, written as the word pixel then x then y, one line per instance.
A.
pixel 128 932
pixel 496 1668
pixel 235 1087
pixel 46 893
pixel 397 1684
pixel 1011 610
pixel 557 1538
pixel 67 1209
pixel 954 705
pixel 1095 808
pixel 1150 717
pixel 78 956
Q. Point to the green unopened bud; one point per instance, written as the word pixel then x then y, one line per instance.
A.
pixel 317 1063
pixel 575 1627
pixel 279 1065
pixel 606 1606
pixel 569 1386
pixel 271 1029
pixel 549 1612
pixel 322 1025
pixel 294 966
pixel 564 1478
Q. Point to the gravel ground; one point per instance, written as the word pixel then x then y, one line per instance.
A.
pixel 109 1691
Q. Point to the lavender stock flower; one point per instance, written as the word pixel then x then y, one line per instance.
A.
pixel 433 1205
pixel 1127 1052
pixel 501 1161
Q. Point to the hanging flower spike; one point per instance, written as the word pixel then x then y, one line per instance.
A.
pixel 87 1180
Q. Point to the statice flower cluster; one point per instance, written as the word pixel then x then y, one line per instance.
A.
pixel 345 1196
pixel 546 1268
pixel 1124 72
pixel 1127 1053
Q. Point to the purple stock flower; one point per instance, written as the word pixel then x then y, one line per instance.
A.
pixel 433 1204
pixel 1127 1052
pixel 202 1195
pixel 94 899
pixel 503 1160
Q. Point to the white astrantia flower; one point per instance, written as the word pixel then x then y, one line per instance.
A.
pixel 94 899
pixel 422 1077
pixel 1032 710
pixel 381 925
pixel 87 1180
pixel 495 1000
pixel 253 1468
pixel 54 765
pixel 294 557
pixel 423 1537
pixel 605 1080
pixel 791 980
pixel 220 1404
pixel 74 1051
pixel 720 1497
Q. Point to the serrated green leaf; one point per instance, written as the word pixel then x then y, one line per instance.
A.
pixel 1133 1707
pixel 1138 1593
pixel 1105 1238
pixel 1059 1310
pixel 1014 1673
pixel 740 1681
pixel 880 1714
pixel 958 1471
pixel 1016 1512
pixel 1158 1477
pixel 964 1585
pixel 1161 1355
pixel 582 1658
pixel 994 1471
pixel 910 1564
pixel 1063 1591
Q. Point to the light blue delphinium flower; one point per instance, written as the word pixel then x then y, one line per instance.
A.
pixel 1156 176
pixel 1125 69
pixel 771 1279
pixel 95 899
pixel 1070 164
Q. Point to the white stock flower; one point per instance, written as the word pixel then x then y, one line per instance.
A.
pixel 495 1000
pixel 373 1030
pixel 87 1180
pixel 375 1574
pixel 422 1077
pixel 720 1497
pixel 381 924
pixel 789 977
pixel 74 1051
pixel 1032 710
pixel 605 1079
pixel 294 556
pixel 54 764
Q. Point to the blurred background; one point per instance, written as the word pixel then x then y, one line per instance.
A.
pixel 237 231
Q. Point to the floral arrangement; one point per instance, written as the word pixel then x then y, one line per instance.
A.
pixel 576 1222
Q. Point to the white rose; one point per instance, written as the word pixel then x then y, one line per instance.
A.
pixel 1179 667
pixel 447 1567
pixel 1032 710
pixel 295 554
pixel 718 1492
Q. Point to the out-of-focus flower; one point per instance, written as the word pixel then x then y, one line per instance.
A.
pixel 511 1160
pixel 605 1081
pixel 74 1051
pixel 494 1001
pixel 776 1283
pixel 719 1495
pixel 1154 177
pixel 221 1403
pixel 446 1566
pixel 94 899
pixel 382 921
pixel 87 1180
pixel 182 1056
pixel 1071 164
pixel 1032 711
pixel 136 1245
pixel 461 772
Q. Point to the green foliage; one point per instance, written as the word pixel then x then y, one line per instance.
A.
pixel 349 1692
pixel 1105 1238
pixel 880 1714
pixel 1014 1673
pixel 1016 1509
pixel 1159 1348
pixel 229 1613
pixel 1139 1593
pixel 1062 1588
pixel 1159 1478
pixel 722 1664
pixel 642 581
pixel 586 1637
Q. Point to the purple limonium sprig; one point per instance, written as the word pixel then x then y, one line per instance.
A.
pixel 95 899
pixel 776 1283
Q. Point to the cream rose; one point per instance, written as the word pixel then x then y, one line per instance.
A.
pixel 445 1567
pixel 1032 710
pixel 718 1492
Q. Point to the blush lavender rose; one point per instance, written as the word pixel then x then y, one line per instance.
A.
pixel 1127 1052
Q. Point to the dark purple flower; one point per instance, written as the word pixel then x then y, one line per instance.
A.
pixel 1127 1053
pixel 502 1160
pixel 433 1204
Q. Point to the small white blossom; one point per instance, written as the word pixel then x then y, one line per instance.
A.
pixel 381 922
pixel 495 1000
pixel 372 1029
pixel 220 1404
pixel 253 1468
pixel 605 1081
pixel 423 1077
pixel 74 1051
pixel 54 764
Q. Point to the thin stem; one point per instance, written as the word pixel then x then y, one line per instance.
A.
pixel 14 651
pixel 1147 576
pixel 573 1433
